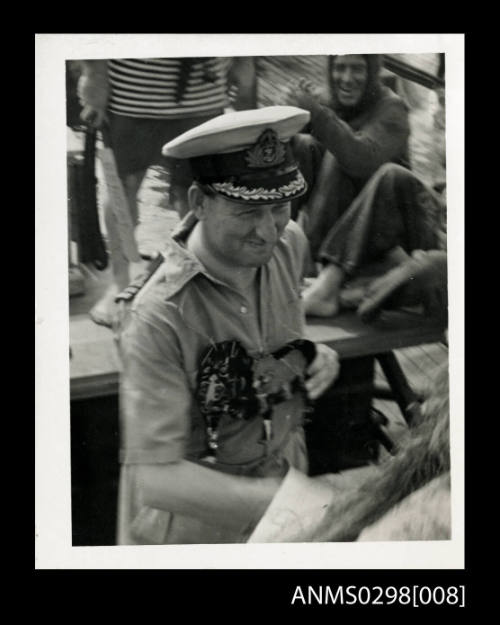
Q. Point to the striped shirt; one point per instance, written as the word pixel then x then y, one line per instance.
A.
pixel 165 88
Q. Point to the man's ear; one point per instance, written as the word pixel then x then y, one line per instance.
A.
pixel 197 201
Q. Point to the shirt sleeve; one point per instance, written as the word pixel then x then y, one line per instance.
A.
pixel 300 249
pixel 360 153
pixel 155 396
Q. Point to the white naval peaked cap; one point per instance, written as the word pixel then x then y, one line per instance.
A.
pixel 245 156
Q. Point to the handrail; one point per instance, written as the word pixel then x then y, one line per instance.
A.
pixel 420 76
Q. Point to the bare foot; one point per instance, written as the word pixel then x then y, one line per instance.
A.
pixel 320 308
pixel 103 312
pixel 397 255
pixel 352 297
pixel 321 296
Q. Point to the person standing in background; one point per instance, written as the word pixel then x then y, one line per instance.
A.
pixel 140 104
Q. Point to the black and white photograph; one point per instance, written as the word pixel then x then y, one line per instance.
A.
pixel 249 301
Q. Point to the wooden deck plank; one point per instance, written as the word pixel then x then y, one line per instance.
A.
pixel 413 371
pixel 420 357
pixel 421 377
pixel 415 364
pixel 389 408
pixel 436 352
pixel 417 358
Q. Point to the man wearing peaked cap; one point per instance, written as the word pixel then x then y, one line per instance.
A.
pixel 216 376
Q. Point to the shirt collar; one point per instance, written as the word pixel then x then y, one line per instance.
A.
pixel 181 265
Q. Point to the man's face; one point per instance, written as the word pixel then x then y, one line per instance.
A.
pixel 241 235
pixel 349 75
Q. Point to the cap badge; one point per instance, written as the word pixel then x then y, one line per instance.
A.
pixel 267 152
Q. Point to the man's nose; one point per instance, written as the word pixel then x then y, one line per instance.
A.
pixel 347 75
pixel 266 227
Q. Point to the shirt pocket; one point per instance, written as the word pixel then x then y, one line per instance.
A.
pixel 287 322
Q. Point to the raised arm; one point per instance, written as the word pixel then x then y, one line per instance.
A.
pixel 359 153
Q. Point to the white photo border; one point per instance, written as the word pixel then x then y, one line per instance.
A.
pixel 54 548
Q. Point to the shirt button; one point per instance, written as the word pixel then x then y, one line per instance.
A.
pixel 243 310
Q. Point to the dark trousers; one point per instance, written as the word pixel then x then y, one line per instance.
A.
pixel 340 434
pixel 393 209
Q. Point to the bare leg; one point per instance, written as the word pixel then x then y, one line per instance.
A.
pixel 397 255
pixel 132 185
pixel 122 271
pixel 321 297
pixel 355 291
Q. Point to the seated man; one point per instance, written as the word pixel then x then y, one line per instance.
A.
pixel 216 375
pixel 359 124
pixel 367 213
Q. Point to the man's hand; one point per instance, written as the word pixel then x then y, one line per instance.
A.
pixel 301 93
pixel 93 117
pixel 323 371
pixel 93 91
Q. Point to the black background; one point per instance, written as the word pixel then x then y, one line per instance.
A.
pixel 236 594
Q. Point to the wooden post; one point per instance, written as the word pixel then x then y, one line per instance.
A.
pixel 405 397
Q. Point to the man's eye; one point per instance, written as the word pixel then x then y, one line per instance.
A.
pixel 246 213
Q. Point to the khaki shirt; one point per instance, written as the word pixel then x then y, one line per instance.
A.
pixel 179 313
